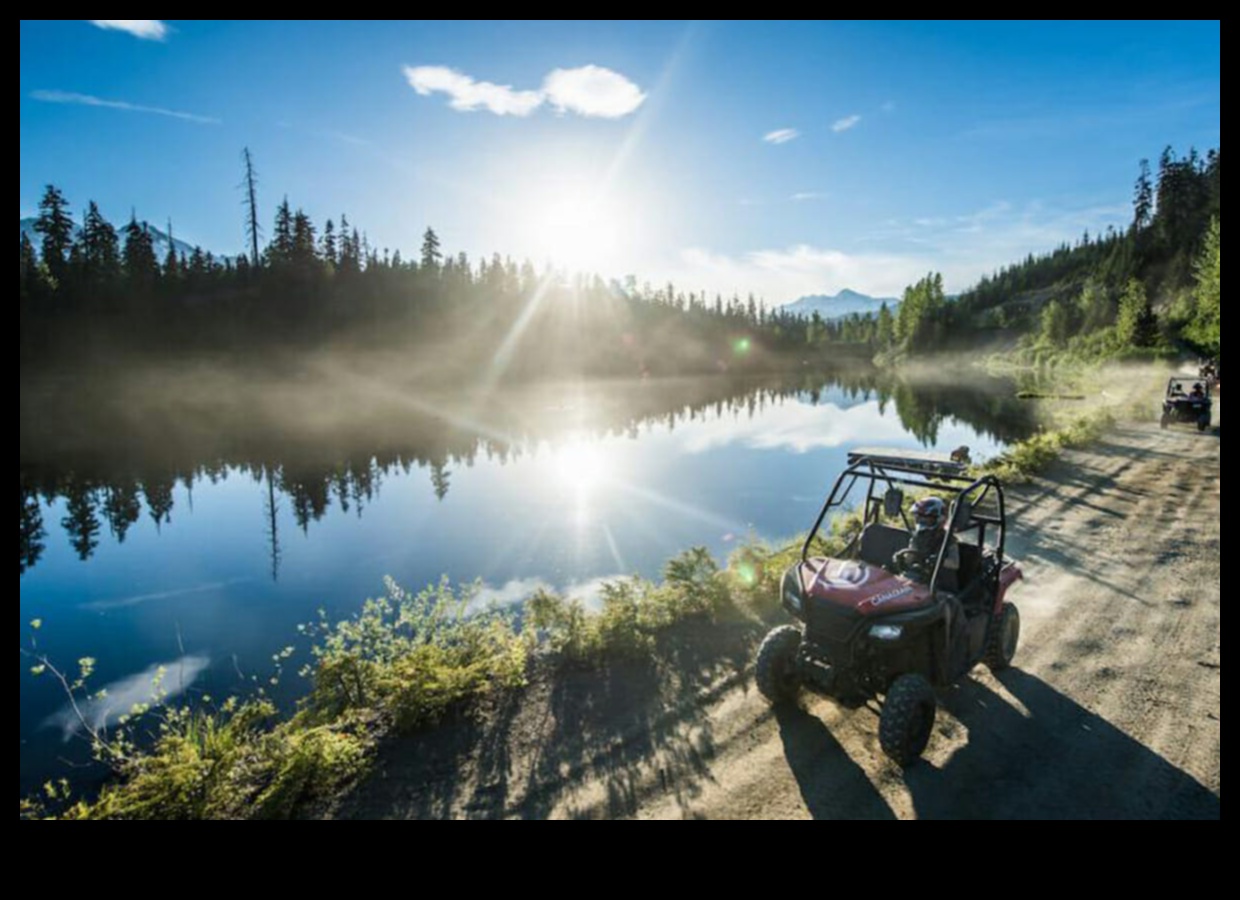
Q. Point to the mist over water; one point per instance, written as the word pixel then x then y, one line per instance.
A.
pixel 204 514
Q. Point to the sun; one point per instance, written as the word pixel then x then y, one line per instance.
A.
pixel 580 467
pixel 578 230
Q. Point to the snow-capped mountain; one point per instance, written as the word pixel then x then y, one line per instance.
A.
pixel 158 238
pixel 845 303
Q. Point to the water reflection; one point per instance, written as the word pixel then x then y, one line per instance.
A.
pixel 106 463
pixel 156 684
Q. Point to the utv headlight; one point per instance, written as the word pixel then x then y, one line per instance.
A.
pixel 793 600
pixel 790 587
pixel 886 632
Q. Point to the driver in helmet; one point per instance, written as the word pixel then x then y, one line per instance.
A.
pixel 930 531
pixel 1199 392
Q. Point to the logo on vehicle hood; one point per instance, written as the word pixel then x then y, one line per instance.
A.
pixel 843 575
pixel 880 599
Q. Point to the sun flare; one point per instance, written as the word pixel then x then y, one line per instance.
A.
pixel 577 231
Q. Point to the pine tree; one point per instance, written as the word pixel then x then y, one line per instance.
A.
pixel 280 251
pixel 172 263
pixel 431 254
pixel 885 331
pixel 1143 199
pixel 56 226
pixel 100 249
pixel 304 252
pixel 141 267
pixel 30 280
pixel 329 242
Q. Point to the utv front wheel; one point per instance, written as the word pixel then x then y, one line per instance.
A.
pixel 1004 636
pixel 777 676
pixel 1165 421
pixel 907 720
pixel 1203 424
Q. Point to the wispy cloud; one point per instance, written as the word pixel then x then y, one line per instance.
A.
pixel 845 123
pixel 784 274
pixel 805 196
pixel 889 106
pixel 963 246
pixel 68 97
pixel 586 91
pixel 147 29
pixel 139 599
pixel 781 136
pixel 592 91
pixel 329 134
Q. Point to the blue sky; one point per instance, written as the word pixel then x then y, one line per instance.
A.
pixel 782 158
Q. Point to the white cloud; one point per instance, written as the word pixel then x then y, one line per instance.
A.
pixel 845 123
pixel 781 136
pixel 803 196
pixel 587 91
pixel 799 427
pixel 518 590
pixel 468 95
pixel 68 97
pixel 592 91
pixel 147 29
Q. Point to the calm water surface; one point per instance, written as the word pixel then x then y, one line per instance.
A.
pixel 196 542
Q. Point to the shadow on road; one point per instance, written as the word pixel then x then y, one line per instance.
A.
pixel 1059 761
pixel 832 785
pixel 629 730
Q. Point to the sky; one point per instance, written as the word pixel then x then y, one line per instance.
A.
pixel 779 158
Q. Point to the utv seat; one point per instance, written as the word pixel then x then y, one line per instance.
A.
pixel 879 543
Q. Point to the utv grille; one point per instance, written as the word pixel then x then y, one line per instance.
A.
pixel 830 628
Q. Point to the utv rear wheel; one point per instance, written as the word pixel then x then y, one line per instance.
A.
pixel 1004 637
pixel 907 720
pixel 777 676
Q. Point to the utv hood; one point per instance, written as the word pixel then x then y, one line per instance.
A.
pixel 859 587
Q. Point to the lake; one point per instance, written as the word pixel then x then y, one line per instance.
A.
pixel 184 523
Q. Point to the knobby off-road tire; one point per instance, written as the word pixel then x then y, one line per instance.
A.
pixel 908 719
pixel 1004 637
pixel 776 670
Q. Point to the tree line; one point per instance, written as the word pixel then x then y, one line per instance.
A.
pixel 96 288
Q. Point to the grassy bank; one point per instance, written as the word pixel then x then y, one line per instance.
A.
pixel 401 664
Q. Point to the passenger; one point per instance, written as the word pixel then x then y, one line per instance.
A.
pixel 917 560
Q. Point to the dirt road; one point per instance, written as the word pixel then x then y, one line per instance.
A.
pixel 1112 711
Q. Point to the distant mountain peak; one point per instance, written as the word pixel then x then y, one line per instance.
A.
pixel 158 238
pixel 836 306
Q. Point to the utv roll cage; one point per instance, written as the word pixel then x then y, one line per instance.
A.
pixel 931 471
